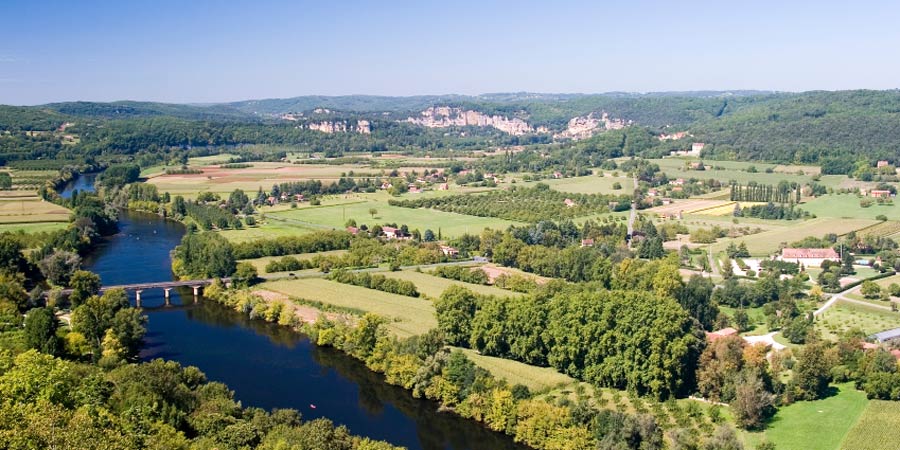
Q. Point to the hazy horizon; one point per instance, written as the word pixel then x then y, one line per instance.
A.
pixel 206 52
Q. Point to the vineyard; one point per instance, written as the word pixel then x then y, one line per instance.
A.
pixel 876 429
pixel 523 204
pixel 888 228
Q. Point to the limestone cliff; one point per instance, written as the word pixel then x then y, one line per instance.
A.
pixel 583 127
pixel 445 116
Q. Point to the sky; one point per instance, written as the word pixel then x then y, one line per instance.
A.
pixel 203 51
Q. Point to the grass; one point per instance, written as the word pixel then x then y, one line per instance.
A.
pixel 595 184
pixel 260 263
pixel 769 242
pixel 846 206
pixel 408 316
pixel 733 170
pixel 270 229
pixel 536 378
pixel 816 425
pixel 876 429
pixel 24 210
pixel 844 316
pixel 433 286
pixel 32 227
pixel 449 224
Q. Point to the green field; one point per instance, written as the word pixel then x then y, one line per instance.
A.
pixel 847 206
pixel 536 378
pixel 876 429
pixel 260 263
pixel 593 184
pixel 450 224
pixel 433 286
pixel 32 227
pixel 844 316
pixel 816 425
pixel 407 316
pixel 732 170
pixel 768 242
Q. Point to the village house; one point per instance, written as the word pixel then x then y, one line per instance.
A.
pixel 880 193
pixel 449 251
pixel 390 232
pixel 557 175
pixel 569 203
pixel 444 187
pixel 697 147
pixel 882 163
pixel 587 243
pixel 719 334
pixel 653 192
pixel 353 230
pixel 677 182
pixel 809 257
pixel 385 186
pixel 666 201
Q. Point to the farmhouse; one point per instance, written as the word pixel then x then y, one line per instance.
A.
pixel 882 163
pixel 353 230
pixel 719 334
pixel 887 335
pixel 697 147
pixel 569 203
pixel 587 243
pixel 391 232
pixel 880 193
pixel 449 251
pixel 809 257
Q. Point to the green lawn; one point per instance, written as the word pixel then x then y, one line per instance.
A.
pixel 433 286
pixel 732 170
pixel 876 429
pixel 407 315
pixel 816 425
pixel 449 224
pixel 514 372
pixel 844 316
pixel 847 206
pixel 32 227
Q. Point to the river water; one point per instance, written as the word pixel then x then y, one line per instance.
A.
pixel 270 366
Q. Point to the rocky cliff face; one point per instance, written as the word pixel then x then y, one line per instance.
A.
pixel 341 126
pixel 583 127
pixel 445 116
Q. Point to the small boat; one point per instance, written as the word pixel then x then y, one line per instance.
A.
pixel 312 406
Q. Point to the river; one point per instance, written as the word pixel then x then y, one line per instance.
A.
pixel 270 366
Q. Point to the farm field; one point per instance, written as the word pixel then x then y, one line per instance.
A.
pixel 876 429
pixel 31 210
pixel 514 372
pixel 260 263
pixel 433 286
pixel 450 224
pixel 32 227
pixel 701 207
pixel 731 170
pixel 847 206
pixel 816 425
pixel 844 316
pixel 594 184
pixel 270 229
pixel 768 242
pixel 407 316
pixel 888 228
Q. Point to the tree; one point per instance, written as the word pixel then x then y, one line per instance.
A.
pixel 40 331
pixel 428 236
pixel 203 255
pixel 111 311
pixel 870 289
pixel 742 320
pixel 455 310
pixel 59 266
pixel 812 372
pixel 84 284
pixel 245 274
pixel 11 259
pixel 372 212
pixel 696 298
pixel 752 402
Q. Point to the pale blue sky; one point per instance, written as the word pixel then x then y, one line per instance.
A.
pixel 210 51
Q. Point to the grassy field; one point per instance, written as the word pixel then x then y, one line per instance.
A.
pixel 408 316
pixel 816 425
pixel 847 206
pixel 732 170
pixel 844 316
pixel 31 210
pixel 876 429
pixel 433 286
pixel 32 227
pixel 769 242
pixel 450 224
pixel 536 378
pixel 260 263
pixel 594 184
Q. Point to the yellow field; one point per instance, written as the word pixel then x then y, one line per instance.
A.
pixel 31 210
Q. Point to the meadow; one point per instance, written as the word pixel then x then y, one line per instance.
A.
pixel 816 425
pixel 536 378
pixel 876 429
pixel 846 206
pixel 769 242
pixel 594 184
pixel 260 263
pixel 407 316
pixel 433 286
pixel 733 170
